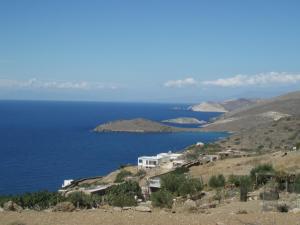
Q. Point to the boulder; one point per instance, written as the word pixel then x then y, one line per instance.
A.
pixel 208 206
pixel 142 209
pixel 64 207
pixel 11 206
pixel 295 210
pixel 190 205
pixel 117 209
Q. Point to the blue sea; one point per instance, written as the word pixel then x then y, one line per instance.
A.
pixel 43 142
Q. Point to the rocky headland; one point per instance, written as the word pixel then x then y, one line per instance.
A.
pixel 185 120
pixel 139 125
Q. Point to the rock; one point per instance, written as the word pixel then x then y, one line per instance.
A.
pixel 126 208
pixel 1 209
pixel 142 209
pixel 295 210
pixel 242 212
pixel 189 205
pixel 208 206
pixel 11 206
pixel 64 207
pixel 117 209
pixel 147 204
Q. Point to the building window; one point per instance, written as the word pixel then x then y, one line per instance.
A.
pixel 140 161
pixel 152 163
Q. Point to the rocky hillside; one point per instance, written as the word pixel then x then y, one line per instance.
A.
pixel 185 120
pixel 260 113
pixel 226 106
pixel 208 107
pixel 265 126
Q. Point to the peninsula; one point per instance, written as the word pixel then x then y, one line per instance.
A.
pixel 185 120
pixel 139 125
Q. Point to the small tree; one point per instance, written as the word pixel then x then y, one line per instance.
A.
pixel 124 194
pixel 217 181
pixel 172 181
pixel 260 172
pixel 245 184
pixel 190 186
pixel 162 199
pixel 81 200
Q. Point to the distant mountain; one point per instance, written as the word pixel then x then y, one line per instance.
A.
pixel 226 106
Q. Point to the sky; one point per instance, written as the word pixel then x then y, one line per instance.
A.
pixel 148 51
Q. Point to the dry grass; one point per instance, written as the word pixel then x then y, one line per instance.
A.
pixel 242 166
pixel 99 217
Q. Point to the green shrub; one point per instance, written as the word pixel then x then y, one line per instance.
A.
pixel 217 181
pixel 35 200
pixel 261 171
pixel 124 194
pixel 190 186
pixel 162 199
pixel 234 179
pixel 82 200
pixel 297 184
pixel 283 208
pixel 122 200
pixel 245 186
pixel 122 175
pixel 172 181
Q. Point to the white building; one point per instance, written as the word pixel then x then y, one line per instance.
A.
pixel 154 161
pixel 66 183
pixel 199 144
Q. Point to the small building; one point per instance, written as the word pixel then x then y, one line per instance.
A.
pixel 66 183
pixel 211 158
pixel 154 161
pixel 199 144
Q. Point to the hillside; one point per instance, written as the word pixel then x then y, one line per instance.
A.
pixel 208 107
pixel 266 126
pixel 226 106
pixel 260 113
pixel 185 120
pixel 138 126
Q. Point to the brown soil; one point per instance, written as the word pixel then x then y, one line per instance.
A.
pixel 224 215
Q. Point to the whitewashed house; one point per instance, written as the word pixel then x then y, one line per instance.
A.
pixel 154 161
pixel 66 183
pixel 199 144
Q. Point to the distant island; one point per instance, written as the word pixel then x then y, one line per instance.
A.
pixel 185 120
pixel 139 125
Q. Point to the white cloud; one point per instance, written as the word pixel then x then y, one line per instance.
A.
pixel 258 79
pixel 181 83
pixel 51 84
